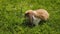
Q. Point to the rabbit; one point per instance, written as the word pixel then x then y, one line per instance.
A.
pixel 35 16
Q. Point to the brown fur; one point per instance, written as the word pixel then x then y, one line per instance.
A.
pixel 40 13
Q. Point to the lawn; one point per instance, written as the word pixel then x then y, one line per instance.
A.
pixel 12 16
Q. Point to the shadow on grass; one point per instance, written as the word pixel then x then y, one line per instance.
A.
pixel 27 24
pixel 42 22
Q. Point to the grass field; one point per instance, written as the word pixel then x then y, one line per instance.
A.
pixel 12 16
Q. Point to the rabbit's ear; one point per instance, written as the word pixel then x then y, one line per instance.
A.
pixel 31 18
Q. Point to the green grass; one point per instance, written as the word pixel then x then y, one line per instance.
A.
pixel 12 16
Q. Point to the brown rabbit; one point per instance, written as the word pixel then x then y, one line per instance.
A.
pixel 35 16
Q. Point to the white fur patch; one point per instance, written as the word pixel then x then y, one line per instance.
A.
pixel 36 20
